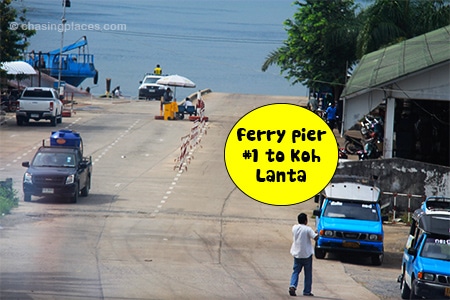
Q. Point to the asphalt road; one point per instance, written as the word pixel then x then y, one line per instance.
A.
pixel 149 231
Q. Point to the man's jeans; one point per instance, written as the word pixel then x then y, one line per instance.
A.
pixel 300 263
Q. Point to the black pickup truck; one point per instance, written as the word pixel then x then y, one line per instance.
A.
pixel 59 171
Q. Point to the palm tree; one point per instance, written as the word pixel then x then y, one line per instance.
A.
pixel 320 45
pixel 273 58
pixel 388 22
pixel 325 36
pixel 430 15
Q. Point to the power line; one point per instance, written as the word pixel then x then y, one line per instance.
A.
pixel 197 38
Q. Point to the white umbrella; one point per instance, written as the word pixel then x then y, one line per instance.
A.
pixel 176 80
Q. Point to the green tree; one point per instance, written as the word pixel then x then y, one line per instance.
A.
pixel 13 39
pixel 325 37
pixel 387 22
pixel 320 45
pixel 429 15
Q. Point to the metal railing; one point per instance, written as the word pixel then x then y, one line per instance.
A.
pixel 408 197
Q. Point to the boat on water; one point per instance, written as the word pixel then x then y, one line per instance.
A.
pixel 76 63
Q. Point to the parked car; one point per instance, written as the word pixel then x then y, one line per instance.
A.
pixel 426 257
pixel 39 103
pixel 149 89
pixel 349 220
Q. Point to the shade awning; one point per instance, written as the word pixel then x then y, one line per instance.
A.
pixel 17 67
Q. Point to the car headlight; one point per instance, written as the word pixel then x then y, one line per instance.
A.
pixel 328 233
pixel 373 237
pixel 70 179
pixel 27 178
pixel 426 276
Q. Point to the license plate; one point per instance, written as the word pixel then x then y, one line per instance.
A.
pixel 447 292
pixel 48 191
pixel 151 90
pixel 34 115
pixel 350 244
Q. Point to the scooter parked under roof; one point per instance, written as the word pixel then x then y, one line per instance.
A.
pixel 353 144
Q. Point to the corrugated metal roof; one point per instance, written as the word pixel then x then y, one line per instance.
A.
pixel 396 61
pixel 17 67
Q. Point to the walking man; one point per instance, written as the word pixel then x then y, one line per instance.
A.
pixel 331 114
pixel 302 250
pixel 313 103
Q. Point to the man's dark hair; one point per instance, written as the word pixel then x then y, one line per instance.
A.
pixel 302 218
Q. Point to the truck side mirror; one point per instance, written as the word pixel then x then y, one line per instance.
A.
pixel 26 164
pixel 316 198
pixel 317 212
pixel 412 251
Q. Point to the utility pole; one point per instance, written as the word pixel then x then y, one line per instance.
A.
pixel 65 3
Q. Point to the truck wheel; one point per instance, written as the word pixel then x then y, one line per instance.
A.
pixel 319 253
pixel 377 260
pixel 74 198
pixel 53 121
pixel 19 121
pixel 59 119
pixel 406 291
pixel 27 197
pixel 85 190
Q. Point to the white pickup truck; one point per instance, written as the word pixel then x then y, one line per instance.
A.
pixel 39 103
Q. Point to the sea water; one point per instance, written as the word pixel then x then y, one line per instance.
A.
pixel 219 45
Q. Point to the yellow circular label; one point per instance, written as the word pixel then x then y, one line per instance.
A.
pixel 281 154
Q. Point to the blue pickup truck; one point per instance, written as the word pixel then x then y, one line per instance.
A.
pixel 426 257
pixel 349 220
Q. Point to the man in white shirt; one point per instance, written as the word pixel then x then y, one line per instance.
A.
pixel 188 102
pixel 302 250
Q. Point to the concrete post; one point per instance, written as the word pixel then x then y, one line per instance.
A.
pixel 388 148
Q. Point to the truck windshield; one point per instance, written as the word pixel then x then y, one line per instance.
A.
pixel 437 248
pixel 351 210
pixel 54 160
pixel 151 80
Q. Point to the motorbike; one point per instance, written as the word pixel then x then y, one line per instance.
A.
pixel 8 104
pixel 372 127
pixel 371 132
pixel 370 150
pixel 353 144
